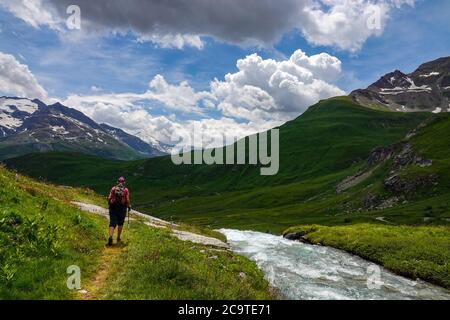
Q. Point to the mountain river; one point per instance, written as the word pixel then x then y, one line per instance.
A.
pixel 304 271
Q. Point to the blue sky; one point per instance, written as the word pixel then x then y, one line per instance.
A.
pixel 73 62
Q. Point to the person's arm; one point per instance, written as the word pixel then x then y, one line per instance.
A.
pixel 110 195
pixel 128 200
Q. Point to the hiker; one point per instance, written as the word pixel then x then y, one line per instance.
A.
pixel 119 202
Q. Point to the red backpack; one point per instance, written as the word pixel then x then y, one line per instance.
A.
pixel 118 195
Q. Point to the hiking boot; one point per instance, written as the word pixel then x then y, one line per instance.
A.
pixel 110 242
pixel 119 240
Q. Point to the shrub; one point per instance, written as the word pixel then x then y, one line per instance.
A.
pixel 22 238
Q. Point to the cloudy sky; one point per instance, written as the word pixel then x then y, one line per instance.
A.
pixel 155 67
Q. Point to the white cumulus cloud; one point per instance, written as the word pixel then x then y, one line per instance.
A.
pixel 122 111
pixel 36 13
pixel 177 41
pixel 262 94
pixel 262 90
pixel 16 79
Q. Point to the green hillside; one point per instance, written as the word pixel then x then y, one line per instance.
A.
pixel 317 150
pixel 22 144
pixel 362 179
pixel 41 235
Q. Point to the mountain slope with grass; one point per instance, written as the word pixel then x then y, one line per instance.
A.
pixel 345 171
pixel 42 234
pixel 318 150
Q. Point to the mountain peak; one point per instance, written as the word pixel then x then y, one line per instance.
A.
pixel 32 126
pixel 440 63
pixel 425 89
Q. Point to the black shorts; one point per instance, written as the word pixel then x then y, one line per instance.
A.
pixel 117 216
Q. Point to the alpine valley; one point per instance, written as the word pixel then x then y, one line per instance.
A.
pixel 367 173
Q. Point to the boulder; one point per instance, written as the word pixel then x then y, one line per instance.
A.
pixel 399 185
pixel 297 236
pixel 407 157
pixel 381 154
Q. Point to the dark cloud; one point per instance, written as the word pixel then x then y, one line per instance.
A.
pixel 175 23
pixel 249 21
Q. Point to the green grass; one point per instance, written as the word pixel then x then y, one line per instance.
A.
pixel 328 143
pixel 158 267
pixel 416 252
pixel 317 150
pixel 41 235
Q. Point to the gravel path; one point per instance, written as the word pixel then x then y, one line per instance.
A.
pixel 157 223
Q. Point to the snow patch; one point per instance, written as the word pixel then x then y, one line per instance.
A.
pixel 431 74
pixel 59 130
pixel 412 88
pixel 9 122
pixel 23 105
pixel 9 106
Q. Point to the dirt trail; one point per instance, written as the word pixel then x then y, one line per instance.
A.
pixel 93 289
pixel 158 223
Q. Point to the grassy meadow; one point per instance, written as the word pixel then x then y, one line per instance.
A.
pixel 41 235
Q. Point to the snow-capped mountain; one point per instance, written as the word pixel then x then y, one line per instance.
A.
pixel 161 146
pixel 28 126
pixel 147 148
pixel 426 89
pixel 13 112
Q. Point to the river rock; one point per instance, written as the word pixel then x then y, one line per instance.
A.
pixel 296 236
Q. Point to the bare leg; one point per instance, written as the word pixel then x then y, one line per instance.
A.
pixel 119 232
pixel 111 232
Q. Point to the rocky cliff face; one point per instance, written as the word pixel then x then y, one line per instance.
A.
pixel 426 89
